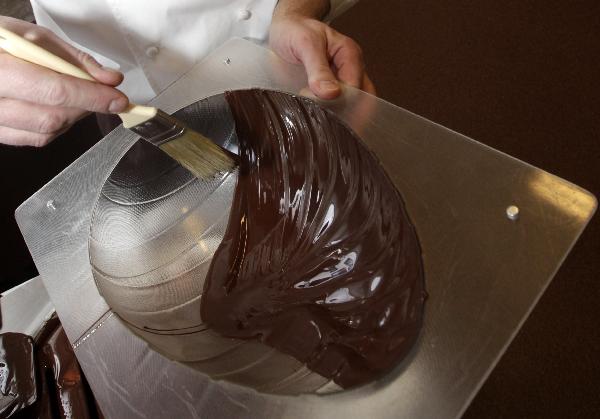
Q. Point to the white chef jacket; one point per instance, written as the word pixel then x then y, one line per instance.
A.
pixel 154 42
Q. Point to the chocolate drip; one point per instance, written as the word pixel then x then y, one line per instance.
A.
pixel 18 385
pixel 41 377
pixel 57 359
pixel 319 259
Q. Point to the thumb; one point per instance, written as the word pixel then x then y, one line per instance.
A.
pixel 321 79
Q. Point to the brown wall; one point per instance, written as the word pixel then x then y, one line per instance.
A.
pixel 522 77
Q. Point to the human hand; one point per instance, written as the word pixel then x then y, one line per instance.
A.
pixel 327 55
pixel 37 104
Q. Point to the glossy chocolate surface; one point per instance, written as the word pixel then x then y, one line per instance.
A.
pixel 57 359
pixel 18 385
pixel 41 377
pixel 319 259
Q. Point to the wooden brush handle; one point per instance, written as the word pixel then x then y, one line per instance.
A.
pixel 22 48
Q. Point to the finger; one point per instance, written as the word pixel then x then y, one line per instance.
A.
pixel 104 75
pixel 347 59
pixel 32 117
pixel 81 59
pixel 51 42
pixel 32 83
pixel 362 109
pixel 312 52
pixel 368 86
pixel 17 137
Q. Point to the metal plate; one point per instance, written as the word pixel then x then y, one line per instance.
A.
pixel 25 308
pixel 484 271
pixel 153 234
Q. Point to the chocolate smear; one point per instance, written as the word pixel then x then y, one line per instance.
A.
pixel 18 385
pixel 41 378
pixel 63 376
pixel 319 259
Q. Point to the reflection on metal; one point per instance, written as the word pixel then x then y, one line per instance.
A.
pixel 150 261
pixel 483 274
pixel 569 200
pixel 25 308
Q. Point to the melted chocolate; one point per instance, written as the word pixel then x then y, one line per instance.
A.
pixel 57 358
pixel 18 386
pixel 41 377
pixel 319 259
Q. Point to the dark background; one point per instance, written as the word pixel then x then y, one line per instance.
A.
pixel 519 76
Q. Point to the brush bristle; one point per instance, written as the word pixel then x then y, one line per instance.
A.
pixel 199 155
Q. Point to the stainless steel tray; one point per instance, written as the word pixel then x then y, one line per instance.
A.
pixel 25 308
pixel 485 268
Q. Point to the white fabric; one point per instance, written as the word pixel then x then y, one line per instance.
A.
pixel 154 42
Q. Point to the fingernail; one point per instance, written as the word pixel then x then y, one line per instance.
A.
pixel 111 70
pixel 118 105
pixel 328 85
pixel 92 61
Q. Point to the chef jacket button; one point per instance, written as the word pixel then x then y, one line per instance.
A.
pixel 244 14
pixel 152 51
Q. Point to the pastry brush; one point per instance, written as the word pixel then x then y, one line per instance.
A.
pixel 191 149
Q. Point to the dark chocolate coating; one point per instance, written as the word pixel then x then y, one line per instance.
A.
pixel 319 259
pixel 41 377
pixel 18 385
pixel 56 356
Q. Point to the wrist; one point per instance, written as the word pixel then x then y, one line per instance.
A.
pixel 311 9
